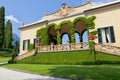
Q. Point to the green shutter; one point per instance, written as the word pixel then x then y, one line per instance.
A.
pixel 23 44
pixel 99 36
pixel 34 42
pixel 28 44
pixel 112 34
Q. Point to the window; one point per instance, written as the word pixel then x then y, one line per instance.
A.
pixel 106 35
pixel 37 42
pixel 26 44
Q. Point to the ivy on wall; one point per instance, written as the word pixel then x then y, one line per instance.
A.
pixel 43 32
pixel 91 25
pixel 90 22
pixel 49 26
pixel 52 25
pixel 79 19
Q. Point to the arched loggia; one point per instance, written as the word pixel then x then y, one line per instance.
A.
pixel 52 35
pixel 65 31
pixel 77 37
pixel 85 36
pixel 65 38
pixel 80 28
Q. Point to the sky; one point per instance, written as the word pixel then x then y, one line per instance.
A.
pixel 29 11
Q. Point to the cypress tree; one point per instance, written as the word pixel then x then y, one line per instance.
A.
pixel 8 35
pixel 2 20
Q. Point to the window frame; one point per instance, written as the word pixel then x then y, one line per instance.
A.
pixel 111 34
pixel 24 44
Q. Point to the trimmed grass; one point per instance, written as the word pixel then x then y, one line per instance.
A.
pixel 74 58
pixel 4 59
pixel 76 72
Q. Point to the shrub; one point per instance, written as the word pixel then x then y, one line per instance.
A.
pixel 31 47
pixel 6 52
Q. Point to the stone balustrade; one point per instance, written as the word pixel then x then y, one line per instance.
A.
pixel 108 49
pixel 72 47
pixel 65 47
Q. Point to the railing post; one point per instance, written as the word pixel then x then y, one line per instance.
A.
pixel 52 47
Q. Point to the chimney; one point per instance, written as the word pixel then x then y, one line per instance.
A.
pixel 88 1
pixel 89 4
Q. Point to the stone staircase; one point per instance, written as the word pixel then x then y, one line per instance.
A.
pixel 25 55
pixel 108 49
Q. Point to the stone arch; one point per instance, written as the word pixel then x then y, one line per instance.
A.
pixel 65 29
pixel 80 28
pixel 77 37
pixel 52 35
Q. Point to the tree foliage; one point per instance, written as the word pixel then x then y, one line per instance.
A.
pixel 2 20
pixel 8 35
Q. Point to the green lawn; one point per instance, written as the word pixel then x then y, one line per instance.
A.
pixel 4 59
pixel 96 72
pixel 71 58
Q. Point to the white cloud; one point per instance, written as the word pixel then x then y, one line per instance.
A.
pixel 12 18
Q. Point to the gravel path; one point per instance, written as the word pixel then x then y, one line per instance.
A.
pixel 7 74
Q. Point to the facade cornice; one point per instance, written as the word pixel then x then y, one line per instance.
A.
pixel 103 5
pixel 28 25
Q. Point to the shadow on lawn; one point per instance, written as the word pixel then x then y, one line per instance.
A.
pixel 86 73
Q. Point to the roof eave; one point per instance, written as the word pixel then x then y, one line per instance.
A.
pixel 25 26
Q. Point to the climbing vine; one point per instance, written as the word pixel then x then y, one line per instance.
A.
pixel 52 25
pixel 79 19
pixel 43 32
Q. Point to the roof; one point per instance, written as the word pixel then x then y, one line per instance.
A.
pixel 71 11
pixel 103 5
pixel 32 24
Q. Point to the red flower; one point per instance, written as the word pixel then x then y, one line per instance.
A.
pixel 92 37
pixel 38 43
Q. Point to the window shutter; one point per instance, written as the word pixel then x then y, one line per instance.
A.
pixel 23 44
pixel 112 34
pixel 34 42
pixel 99 36
pixel 28 44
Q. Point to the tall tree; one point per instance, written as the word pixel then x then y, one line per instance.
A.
pixel 8 35
pixel 2 26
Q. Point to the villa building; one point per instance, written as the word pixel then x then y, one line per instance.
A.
pixel 107 23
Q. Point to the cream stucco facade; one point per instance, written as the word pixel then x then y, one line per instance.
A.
pixel 106 15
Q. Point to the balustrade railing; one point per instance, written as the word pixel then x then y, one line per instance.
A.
pixel 71 47
pixel 63 47
pixel 108 49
